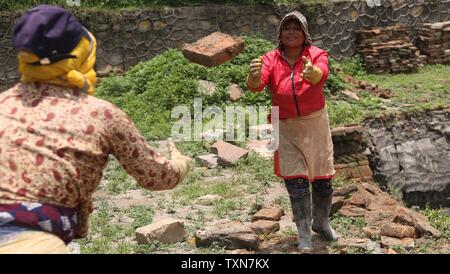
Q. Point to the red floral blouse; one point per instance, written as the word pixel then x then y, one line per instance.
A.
pixel 55 142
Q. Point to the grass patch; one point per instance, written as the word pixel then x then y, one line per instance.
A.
pixel 348 226
pixel 341 181
pixel 225 208
pixel 289 232
pixel 427 89
pixel 283 202
pixel 118 179
pixel 105 236
pixel 438 220
pixel 142 215
pixel 261 170
pixel 187 193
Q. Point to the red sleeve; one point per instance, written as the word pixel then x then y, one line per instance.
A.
pixel 265 73
pixel 322 63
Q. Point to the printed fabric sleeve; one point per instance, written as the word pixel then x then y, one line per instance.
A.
pixel 150 169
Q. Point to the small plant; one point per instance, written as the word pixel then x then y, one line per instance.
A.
pixel 341 181
pixel 438 220
pixel 256 206
pixel 224 207
pixel 335 81
pixel 354 66
pixel 348 226
pixel 289 231
pixel 142 215
pixel 283 201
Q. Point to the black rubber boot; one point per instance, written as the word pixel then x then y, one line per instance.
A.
pixel 301 208
pixel 321 200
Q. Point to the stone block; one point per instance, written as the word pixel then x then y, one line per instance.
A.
pixel 166 231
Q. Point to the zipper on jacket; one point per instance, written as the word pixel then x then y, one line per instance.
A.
pixel 293 89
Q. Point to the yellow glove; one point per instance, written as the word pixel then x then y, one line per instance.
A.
pixel 182 162
pixel 254 74
pixel 311 73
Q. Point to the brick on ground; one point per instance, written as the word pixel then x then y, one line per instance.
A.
pixel 227 153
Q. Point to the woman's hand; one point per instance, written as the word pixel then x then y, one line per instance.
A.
pixel 310 72
pixel 254 75
pixel 183 162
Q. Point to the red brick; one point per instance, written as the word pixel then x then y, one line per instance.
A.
pixel 365 171
pixel 398 231
pixel 214 50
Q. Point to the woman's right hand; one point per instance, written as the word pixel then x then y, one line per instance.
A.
pixel 255 67
pixel 183 162
pixel 254 75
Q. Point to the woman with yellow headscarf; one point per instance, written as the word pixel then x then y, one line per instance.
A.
pixel 64 56
pixel 55 139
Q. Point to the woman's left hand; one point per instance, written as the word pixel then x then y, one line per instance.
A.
pixel 310 72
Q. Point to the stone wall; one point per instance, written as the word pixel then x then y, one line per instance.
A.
pixel 128 37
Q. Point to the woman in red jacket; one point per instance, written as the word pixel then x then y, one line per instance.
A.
pixel 296 73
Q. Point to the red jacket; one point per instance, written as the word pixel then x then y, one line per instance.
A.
pixel 294 96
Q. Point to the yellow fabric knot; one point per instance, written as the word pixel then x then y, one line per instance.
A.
pixel 74 72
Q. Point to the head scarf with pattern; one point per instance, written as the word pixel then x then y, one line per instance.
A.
pixel 295 15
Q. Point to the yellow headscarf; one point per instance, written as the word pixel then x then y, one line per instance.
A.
pixel 73 72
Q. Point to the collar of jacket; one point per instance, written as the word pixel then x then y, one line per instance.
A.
pixel 305 52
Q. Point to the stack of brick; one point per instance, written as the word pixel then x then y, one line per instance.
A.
pixel 433 40
pixel 389 49
pixel 349 159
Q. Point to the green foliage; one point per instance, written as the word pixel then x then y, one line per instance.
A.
pixel 261 168
pixel 342 113
pixel 348 226
pixel 438 220
pixel 150 90
pixel 283 201
pixel 106 231
pixel 142 215
pixel 335 80
pixel 354 66
pixel 256 206
pixel 223 208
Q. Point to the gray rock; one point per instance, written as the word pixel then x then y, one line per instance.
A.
pixel 212 135
pixel 228 234
pixel 166 231
pixel 206 87
pixel 208 160
pixel 228 153
pixel 235 92
pixel 207 199
pixel 263 132
pixel 406 243
pixel 261 147
pixel 74 248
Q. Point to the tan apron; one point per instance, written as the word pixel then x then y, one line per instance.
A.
pixel 305 147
